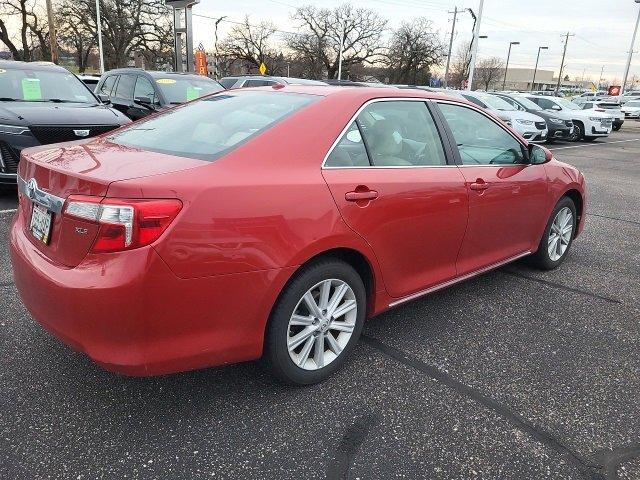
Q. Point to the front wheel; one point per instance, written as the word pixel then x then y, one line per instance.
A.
pixel 558 236
pixel 617 127
pixel 315 323
pixel 577 133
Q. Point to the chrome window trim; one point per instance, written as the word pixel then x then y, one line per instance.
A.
pixel 47 200
pixel 324 166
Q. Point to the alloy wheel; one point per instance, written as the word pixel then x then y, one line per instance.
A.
pixel 560 234
pixel 322 324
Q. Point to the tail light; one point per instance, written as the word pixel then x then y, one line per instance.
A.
pixel 124 224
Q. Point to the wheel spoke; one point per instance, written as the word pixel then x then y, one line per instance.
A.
pixel 342 326
pixel 298 339
pixel 301 320
pixel 337 297
pixel 553 243
pixel 333 344
pixel 306 350
pixel 325 290
pixel 312 305
pixel 345 308
pixel 318 354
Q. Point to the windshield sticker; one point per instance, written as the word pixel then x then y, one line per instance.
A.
pixel 193 93
pixel 165 81
pixel 31 89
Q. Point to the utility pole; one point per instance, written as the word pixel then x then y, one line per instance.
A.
pixel 633 42
pixel 453 31
pixel 601 74
pixel 53 41
pixel 474 46
pixel 564 53
pixel 99 24
pixel 340 56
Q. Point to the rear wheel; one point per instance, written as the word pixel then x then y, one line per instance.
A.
pixel 315 323
pixel 558 236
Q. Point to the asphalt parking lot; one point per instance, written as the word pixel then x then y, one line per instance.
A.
pixel 516 374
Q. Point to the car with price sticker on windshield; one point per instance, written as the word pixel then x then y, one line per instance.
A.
pixel 138 93
pixel 42 103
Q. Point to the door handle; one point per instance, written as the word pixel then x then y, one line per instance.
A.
pixel 358 196
pixel 479 185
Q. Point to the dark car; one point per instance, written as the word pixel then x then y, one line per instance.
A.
pixel 41 103
pixel 138 93
pixel 558 128
pixel 246 81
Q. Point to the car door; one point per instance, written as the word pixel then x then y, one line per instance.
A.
pixel 393 185
pixel 507 195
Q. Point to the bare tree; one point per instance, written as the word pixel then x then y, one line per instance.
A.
pixel 489 72
pixel 252 44
pixel 74 33
pixel 413 50
pixel 322 31
pixel 32 41
pixel 459 70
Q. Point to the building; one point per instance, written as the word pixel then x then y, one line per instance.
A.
pixel 522 78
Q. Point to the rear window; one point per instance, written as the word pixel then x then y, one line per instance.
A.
pixel 212 127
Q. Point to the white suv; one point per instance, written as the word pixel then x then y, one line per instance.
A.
pixel 631 109
pixel 587 124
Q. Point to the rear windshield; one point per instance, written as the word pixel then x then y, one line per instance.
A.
pixel 212 127
pixel 180 89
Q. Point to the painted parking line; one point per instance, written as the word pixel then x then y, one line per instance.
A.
pixel 595 144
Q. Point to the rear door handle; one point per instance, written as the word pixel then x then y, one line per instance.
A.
pixel 479 185
pixel 358 196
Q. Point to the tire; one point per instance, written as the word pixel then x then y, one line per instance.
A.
pixel 304 365
pixel 617 128
pixel 543 259
pixel 578 132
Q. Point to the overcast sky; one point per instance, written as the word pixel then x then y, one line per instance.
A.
pixel 602 28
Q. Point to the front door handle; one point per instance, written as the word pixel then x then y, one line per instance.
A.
pixel 360 195
pixel 479 185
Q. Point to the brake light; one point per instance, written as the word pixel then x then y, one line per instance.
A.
pixel 124 224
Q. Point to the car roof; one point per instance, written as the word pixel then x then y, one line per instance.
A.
pixel 155 73
pixel 40 66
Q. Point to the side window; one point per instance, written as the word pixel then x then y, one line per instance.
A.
pixel 125 87
pixel 587 106
pixel 108 85
pixel 401 133
pixel 480 140
pixel 350 150
pixel 546 104
pixel 144 88
pixel 474 100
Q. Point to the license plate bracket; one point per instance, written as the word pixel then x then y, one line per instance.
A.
pixel 40 225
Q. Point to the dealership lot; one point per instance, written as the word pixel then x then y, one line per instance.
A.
pixel 515 374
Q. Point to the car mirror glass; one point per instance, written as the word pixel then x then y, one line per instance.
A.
pixel 538 155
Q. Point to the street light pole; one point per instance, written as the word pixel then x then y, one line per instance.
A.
pixel 340 55
pixel 99 24
pixel 633 42
pixel 474 46
pixel 506 67
pixel 535 70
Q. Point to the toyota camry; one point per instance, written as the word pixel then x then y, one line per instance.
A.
pixel 270 223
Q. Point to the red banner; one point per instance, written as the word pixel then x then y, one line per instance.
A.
pixel 201 62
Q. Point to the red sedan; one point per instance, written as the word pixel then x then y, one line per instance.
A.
pixel 271 222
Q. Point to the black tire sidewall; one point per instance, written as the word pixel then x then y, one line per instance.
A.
pixel 276 350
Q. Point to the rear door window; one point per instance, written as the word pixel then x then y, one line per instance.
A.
pixel 210 128
pixel 125 87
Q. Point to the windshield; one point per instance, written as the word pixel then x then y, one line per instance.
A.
pixel 42 86
pixel 635 103
pixel 212 127
pixel 495 102
pixel 566 104
pixel 180 89
pixel 528 104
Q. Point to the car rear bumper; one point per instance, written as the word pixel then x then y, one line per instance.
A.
pixel 130 314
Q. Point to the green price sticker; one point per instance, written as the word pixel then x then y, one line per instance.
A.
pixel 193 93
pixel 31 89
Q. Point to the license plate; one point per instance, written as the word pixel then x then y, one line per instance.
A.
pixel 40 225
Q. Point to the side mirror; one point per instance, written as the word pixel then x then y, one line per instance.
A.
pixel 539 155
pixel 146 101
pixel 557 108
pixel 104 98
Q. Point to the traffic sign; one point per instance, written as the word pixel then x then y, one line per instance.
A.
pixel 263 68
